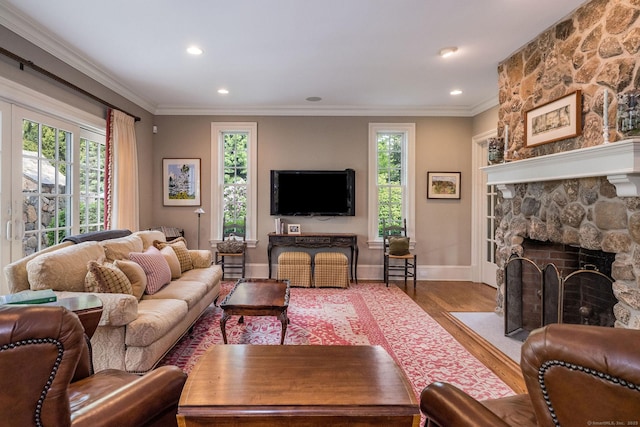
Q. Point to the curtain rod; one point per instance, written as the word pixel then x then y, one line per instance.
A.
pixel 24 62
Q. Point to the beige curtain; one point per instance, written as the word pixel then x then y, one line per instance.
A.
pixel 122 210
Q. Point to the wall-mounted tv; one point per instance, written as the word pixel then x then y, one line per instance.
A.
pixel 313 192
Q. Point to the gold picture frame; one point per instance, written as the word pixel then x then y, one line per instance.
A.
pixel 554 121
pixel 181 182
pixel 443 185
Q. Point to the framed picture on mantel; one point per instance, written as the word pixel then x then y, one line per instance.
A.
pixel 554 121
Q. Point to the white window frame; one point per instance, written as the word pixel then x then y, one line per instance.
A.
pixel 218 129
pixel 408 178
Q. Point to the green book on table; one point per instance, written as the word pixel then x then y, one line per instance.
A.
pixel 29 297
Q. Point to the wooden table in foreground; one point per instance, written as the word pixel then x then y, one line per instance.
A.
pixel 297 385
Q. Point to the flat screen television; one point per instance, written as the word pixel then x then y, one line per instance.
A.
pixel 313 192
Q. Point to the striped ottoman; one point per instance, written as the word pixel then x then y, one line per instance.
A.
pixel 296 267
pixel 331 270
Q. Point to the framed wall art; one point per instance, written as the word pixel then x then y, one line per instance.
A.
pixel 554 121
pixel 181 182
pixel 443 185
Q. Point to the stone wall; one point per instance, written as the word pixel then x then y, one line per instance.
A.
pixel 594 49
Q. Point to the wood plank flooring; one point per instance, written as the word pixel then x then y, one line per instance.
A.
pixel 439 298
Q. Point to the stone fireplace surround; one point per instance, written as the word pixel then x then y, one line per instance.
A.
pixel 588 197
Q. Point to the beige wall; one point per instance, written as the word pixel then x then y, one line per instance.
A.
pixel 442 144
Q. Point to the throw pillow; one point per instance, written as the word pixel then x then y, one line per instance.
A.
pixel 174 265
pixel 154 266
pixel 106 278
pixel 135 274
pixel 179 246
pixel 398 245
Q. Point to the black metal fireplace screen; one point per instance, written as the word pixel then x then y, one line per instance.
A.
pixel 536 296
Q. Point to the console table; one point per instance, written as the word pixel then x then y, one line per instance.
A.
pixel 318 240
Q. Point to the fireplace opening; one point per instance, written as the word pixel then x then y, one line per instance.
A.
pixel 573 285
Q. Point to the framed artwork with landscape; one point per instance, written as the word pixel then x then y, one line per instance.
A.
pixel 554 121
pixel 181 182
pixel 443 185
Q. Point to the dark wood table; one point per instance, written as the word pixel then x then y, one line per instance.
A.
pixel 256 297
pixel 87 307
pixel 317 241
pixel 297 385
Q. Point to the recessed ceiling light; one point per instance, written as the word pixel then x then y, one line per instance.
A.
pixel 455 92
pixel 223 91
pixel 314 99
pixel 446 52
pixel 194 50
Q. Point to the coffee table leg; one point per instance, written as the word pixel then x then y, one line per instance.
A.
pixel 223 326
pixel 283 320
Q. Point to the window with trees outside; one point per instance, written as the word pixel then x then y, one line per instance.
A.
pixel 235 198
pixel 391 179
pixel 54 205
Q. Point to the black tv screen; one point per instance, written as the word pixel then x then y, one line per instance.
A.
pixel 313 192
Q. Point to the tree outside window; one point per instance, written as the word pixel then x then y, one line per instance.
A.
pixel 234 191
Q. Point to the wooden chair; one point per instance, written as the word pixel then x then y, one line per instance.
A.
pixel 397 265
pixel 232 248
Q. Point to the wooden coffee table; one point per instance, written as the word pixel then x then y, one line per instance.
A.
pixel 297 385
pixel 256 297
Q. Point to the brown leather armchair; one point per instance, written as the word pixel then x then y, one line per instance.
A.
pixel 576 375
pixel 46 378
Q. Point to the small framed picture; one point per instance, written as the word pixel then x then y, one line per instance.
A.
pixel 443 185
pixel 554 121
pixel 293 229
pixel 181 182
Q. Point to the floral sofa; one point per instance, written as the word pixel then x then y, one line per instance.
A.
pixel 143 317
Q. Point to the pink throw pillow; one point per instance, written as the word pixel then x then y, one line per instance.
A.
pixel 155 267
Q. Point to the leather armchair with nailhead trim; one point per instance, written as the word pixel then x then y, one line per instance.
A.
pixel 46 377
pixel 576 375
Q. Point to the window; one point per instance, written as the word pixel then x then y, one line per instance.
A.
pixel 234 168
pixel 92 175
pixel 391 177
pixel 54 203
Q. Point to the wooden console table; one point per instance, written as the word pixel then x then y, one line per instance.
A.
pixel 318 240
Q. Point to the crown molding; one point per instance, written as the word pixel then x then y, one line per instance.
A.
pixel 293 110
pixel 15 21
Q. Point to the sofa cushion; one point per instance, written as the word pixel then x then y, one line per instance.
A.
pixel 106 278
pixel 120 248
pixel 188 291
pixel 135 274
pixel 201 258
pixel 154 266
pixel 171 258
pixel 179 246
pixel 148 237
pixel 64 269
pixel 208 276
pixel 156 317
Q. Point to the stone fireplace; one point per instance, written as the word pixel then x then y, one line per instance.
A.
pixel 581 191
pixel 586 198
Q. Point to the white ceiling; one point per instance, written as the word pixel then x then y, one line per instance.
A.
pixel 373 57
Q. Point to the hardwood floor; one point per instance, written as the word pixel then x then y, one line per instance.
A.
pixel 440 298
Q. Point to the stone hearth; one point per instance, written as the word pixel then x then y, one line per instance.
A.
pixel 584 212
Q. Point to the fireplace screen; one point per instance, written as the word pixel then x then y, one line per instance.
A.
pixel 535 297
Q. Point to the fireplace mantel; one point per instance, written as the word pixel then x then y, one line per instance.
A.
pixel 619 161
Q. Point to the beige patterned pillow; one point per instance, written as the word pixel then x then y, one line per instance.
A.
pixel 179 246
pixel 106 278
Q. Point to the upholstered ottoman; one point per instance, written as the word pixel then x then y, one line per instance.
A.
pixel 296 267
pixel 331 270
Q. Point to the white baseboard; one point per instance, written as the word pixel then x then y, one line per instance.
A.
pixel 374 272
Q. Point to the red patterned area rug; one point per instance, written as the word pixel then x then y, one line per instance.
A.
pixel 364 314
